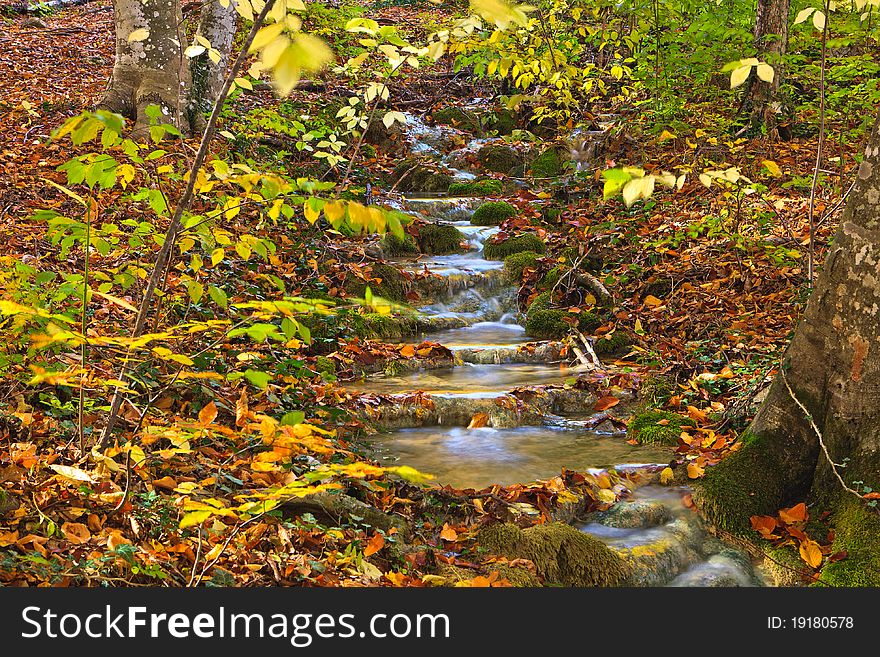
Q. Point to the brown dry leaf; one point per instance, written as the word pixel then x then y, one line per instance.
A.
pixel 374 544
pixel 76 532
pixel 478 420
pixel 696 414
pixel 811 553
pixel 241 409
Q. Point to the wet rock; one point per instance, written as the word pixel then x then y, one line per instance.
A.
pixel 719 570
pixel 500 158
pixel 638 513
pixel 414 176
pixel 548 352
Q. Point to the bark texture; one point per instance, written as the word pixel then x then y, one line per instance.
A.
pixel 149 71
pixel 217 25
pixel 833 369
pixel 771 40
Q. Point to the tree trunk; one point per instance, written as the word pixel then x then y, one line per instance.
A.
pixel 832 367
pixel 217 25
pixel 150 71
pixel 771 40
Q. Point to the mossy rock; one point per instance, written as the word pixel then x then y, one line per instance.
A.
pixel 324 365
pixel 518 244
pixel 374 326
pixel 458 118
pixel 413 176
pixel 784 565
pixel 475 188
pixel 547 324
pixel 645 427
pixel 503 121
pixel 493 213
pixel 500 158
pixel 516 263
pixel 562 555
pixel 552 277
pixel 393 286
pixel 616 343
pixel 856 531
pixel 548 164
pixel 396 246
pixel 440 239
pixel 543 301
pixel 657 390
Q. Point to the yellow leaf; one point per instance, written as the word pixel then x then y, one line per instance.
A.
pixel 606 496
pixel 139 35
pixel 695 471
pixel 666 475
pixel 70 472
pixel 195 518
pixel 811 553
pixel 772 167
pixel 739 75
pixel 765 72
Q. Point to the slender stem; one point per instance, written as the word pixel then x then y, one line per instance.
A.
pixel 83 326
pixel 812 247
pixel 174 227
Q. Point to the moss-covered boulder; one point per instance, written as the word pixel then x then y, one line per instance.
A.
pixel 375 326
pixel 475 188
pixel 440 239
pixel 493 213
pixel 548 164
pixel 413 176
pixel 503 121
pixel 856 532
pixel 458 117
pixel 518 244
pixel 657 427
pixel 324 365
pixel 562 555
pixel 547 324
pixel 612 345
pixel 396 246
pixel 393 284
pixel 501 158
pixel 516 263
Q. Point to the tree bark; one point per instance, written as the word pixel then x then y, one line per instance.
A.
pixel 217 25
pixel 149 71
pixel 771 40
pixel 832 368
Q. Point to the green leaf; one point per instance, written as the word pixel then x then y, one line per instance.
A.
pixel 293 417
pixel 218 296
pixel 195 290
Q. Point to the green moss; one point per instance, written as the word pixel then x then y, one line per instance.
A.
pixel 503 121
pixel 562 555
pixel 440 239
pixel 393 286
pixel 395 246
pixel 645 429
pixel 516 263
pixel 492 213
pixel 475 188
pixel 518 244
pixel 547 324
pixel 501 158
pixel 614 344
pixel 743 485
pixel 543 301
pixel 856 531
pixel 519 576
pixel 413 176
pixel 548 164
pixel 657 390
pixel 325 365
pixel 784 565
pixel 552 277
pixel 382 327
pixel 458 117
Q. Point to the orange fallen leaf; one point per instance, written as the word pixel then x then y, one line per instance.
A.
pixel 478 420
pixel 605 403
pixel 166 483
pixel 76 532
pixel 695 471
pixel 208 414
pixel 652 301
pixel 448 533
pixel 407 351
pixel 374 544
pixel 797 513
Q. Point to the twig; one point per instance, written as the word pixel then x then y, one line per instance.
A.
pixel 812 248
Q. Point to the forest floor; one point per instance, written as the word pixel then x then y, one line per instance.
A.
pixel 706 283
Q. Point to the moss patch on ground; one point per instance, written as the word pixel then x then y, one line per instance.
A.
pixel 856 532
pixel 475 188
pixel 492 213
pixel 518 244
pixel 562 555
pixel 657 427
pixel 616 343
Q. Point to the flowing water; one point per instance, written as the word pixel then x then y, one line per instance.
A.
pixel 664 541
